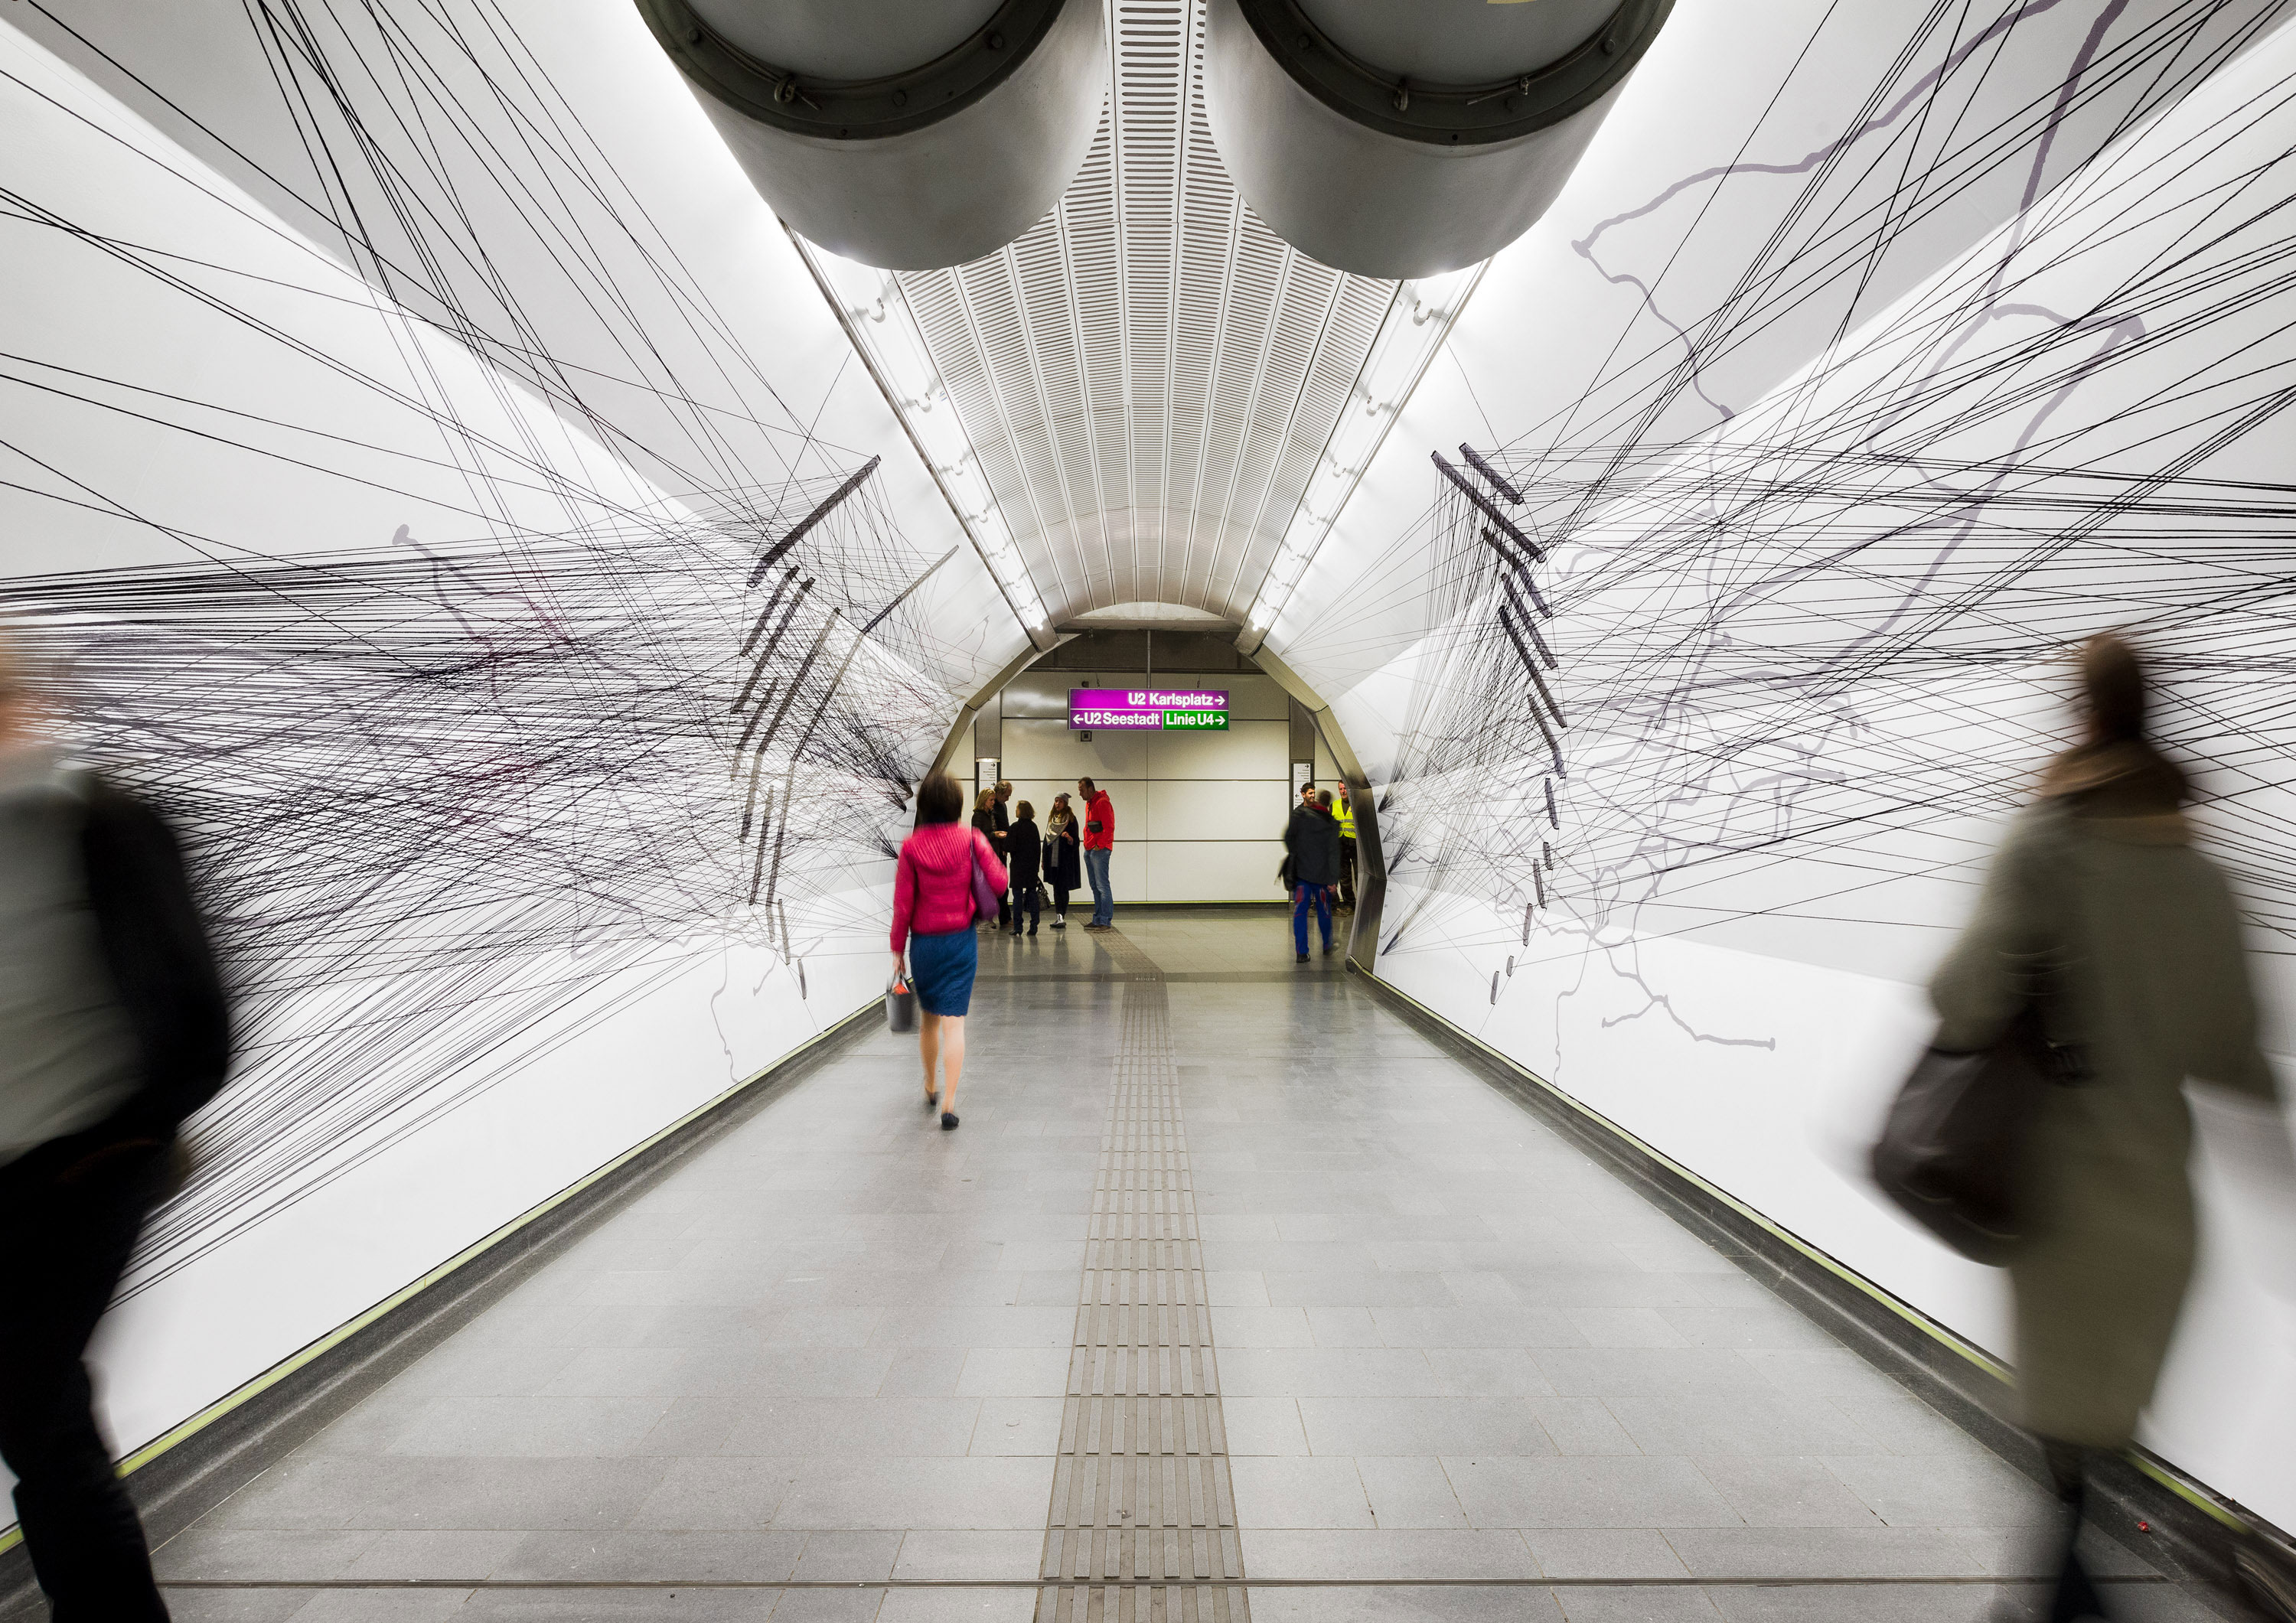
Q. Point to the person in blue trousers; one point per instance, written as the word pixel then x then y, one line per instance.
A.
pixel 1312 845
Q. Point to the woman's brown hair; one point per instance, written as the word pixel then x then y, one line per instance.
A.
pixel 939 800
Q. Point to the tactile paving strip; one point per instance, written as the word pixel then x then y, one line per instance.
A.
pixel 1142 1522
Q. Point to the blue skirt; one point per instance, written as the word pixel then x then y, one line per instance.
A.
pixel 941 967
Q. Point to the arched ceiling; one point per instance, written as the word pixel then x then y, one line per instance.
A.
pixel 1150 392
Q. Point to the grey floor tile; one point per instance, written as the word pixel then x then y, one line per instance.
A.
pixel 1409 1491
pixel 1018 1426
pixel 527 1427
pixel 849 1556
pixel 1010 1372
pixel 1582 1425
pixel 1236 1327
pixel 1464 1604
pixel 956 1606
pixel 652 1556
pixel 1584 1492
pixel 727 1494
pixel 942 1554
pixel 1274 1492
pixel 1784 1491
pixel 1449 1346
pixel 1362 1555
pixel 1603 1552
pixel 1423 1425
pixel 474 1493
pixel 1938 1490
pixel 435 1553
pixel 385 1606
pixel 851 1426
pixel 1337 1371
pixel 1263 1425
pixel 1845 1552
pixel 1629 1604
pixel 221 1553
pixel 1910 1604
pixel 1658 1371
pixel 236 1605
pixel 983 1494
pixel 1747 1420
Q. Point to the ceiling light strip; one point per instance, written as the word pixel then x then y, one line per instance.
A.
pixel 1417 325
pixel 984 526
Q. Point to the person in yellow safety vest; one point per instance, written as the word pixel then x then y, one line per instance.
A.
pixel 1346 814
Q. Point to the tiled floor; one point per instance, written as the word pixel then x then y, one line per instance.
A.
pixel 1464 1372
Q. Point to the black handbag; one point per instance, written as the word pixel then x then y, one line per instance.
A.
pixel 1953 1150
pixel 900 1006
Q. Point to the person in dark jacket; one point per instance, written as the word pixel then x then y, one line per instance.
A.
pixel 1003 811
pixel 1024 846
pixel 1311 845
pixel 987 818
pixel 113 1029
pixel 2098 882
pixel 1063 867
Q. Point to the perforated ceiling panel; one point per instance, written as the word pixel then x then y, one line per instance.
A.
pixel 1149 378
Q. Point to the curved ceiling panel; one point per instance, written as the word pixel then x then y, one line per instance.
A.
pixel 1149 380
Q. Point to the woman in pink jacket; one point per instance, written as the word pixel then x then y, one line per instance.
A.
pixel 932 919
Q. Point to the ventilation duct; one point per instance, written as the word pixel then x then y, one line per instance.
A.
pixel 1401 141
pixel 912 134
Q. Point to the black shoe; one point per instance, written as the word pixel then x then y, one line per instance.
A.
pixel 1303 957
pixel 1032 929
pixel 1327 949
pixel 947 1120
pixel 932 1099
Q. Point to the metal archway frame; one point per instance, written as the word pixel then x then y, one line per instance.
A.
pixel 1371 864
pixel 1371 861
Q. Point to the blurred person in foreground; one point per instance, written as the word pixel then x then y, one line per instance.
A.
pixel 113 1029
pixel 933 918
pixel 2098 904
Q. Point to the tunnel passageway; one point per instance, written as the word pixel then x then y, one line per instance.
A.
pixel 1233 1285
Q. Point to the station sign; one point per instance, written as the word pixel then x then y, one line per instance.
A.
pixel 1148 709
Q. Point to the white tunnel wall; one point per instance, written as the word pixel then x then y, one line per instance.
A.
pixel 230 539
pixel 1803 692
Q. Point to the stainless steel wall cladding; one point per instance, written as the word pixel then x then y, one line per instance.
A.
pixel 1393 164
pixel 912 168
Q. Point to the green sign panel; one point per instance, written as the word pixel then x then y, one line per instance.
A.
pixel 1195 721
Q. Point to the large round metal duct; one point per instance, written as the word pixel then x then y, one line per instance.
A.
pixel 907 134
pixel 1409 140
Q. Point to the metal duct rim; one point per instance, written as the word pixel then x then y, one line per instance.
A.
pixel 852 108
pixel 1454 115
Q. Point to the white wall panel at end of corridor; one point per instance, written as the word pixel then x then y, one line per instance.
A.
pixel 1214 870
pixel 1048 750
pixel 1217 808
pixel 1242 749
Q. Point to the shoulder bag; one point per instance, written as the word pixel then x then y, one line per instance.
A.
pixel 1952 1155
pixel 985 899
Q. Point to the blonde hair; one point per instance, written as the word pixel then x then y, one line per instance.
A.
pixel 987 802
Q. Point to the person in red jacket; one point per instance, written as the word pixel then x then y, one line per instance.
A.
pixel 934 915
pixel 1099 842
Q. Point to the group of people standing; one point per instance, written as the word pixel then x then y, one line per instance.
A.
pixel 1068 851
pixel 1319 862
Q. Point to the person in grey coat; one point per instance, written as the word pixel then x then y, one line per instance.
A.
pixel 1311 844
pixel 2098 892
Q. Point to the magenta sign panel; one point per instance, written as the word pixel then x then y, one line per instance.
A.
pixel 1147 708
